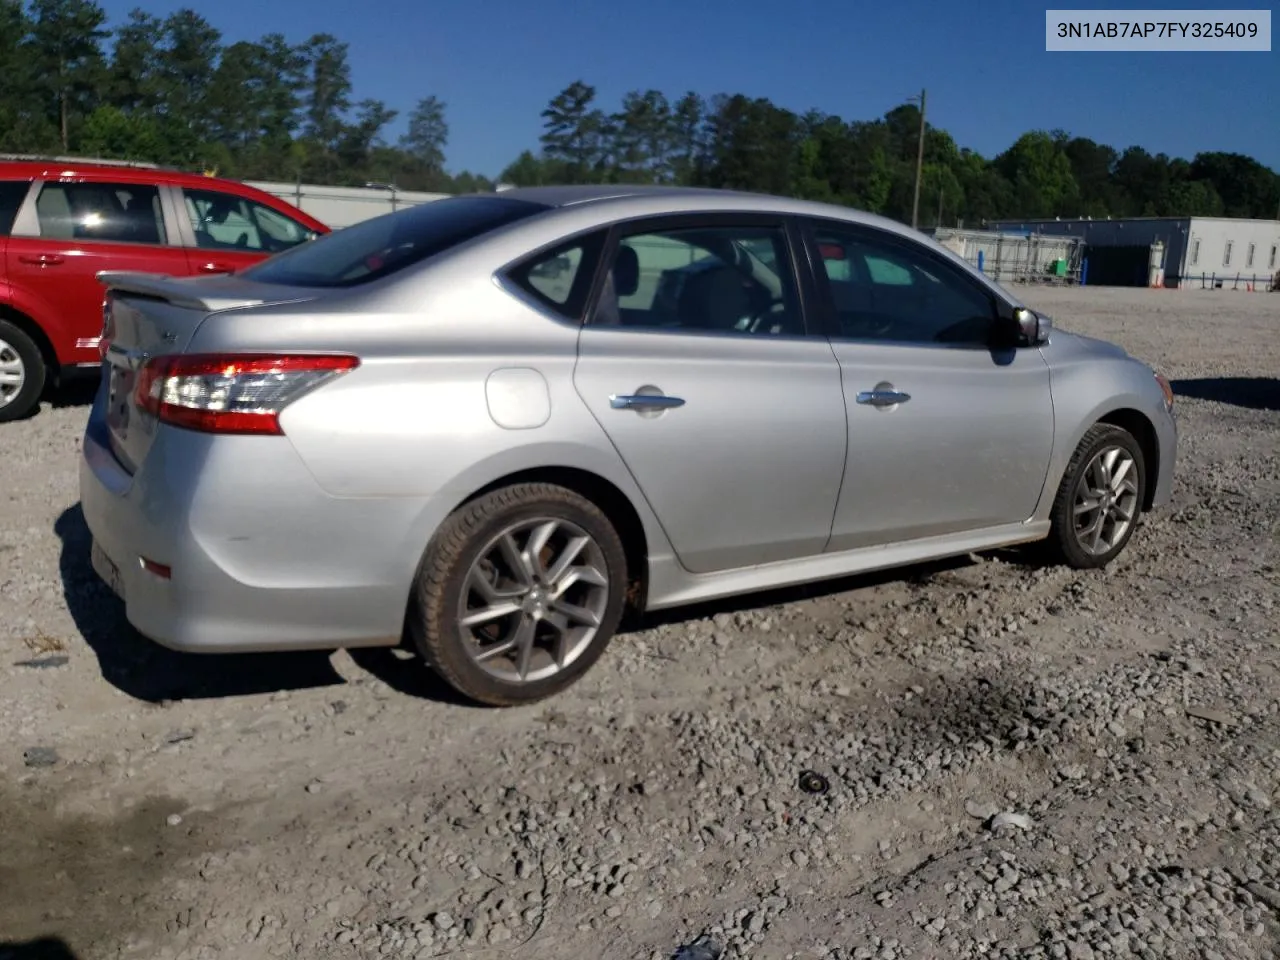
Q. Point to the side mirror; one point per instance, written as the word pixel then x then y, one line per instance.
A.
pixel 1023 327
pixel 1033 326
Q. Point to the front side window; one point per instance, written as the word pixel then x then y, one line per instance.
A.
pixel 223 221
pixel 885 289
pixel 385 245
pixel 735 280
pixel 105 212
pixel 12 193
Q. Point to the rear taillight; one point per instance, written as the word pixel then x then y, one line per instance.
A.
pixel 232 393
pixel 108 327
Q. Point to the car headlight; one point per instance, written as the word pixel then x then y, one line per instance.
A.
pixel 1167 390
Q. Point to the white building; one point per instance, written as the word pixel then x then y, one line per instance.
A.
pixel 1176 251
pixel 342 206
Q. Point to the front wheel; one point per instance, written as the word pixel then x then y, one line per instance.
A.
pixel 1100 497
pixel 519 593
pixel 22 373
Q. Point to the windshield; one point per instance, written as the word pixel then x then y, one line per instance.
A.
pixel 381 246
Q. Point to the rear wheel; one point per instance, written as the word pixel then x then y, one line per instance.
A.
pixel 519 594
pixel 22 373
pixel 1100 497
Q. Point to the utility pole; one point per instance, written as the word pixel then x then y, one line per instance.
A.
pixel 939 207
pixel 915 204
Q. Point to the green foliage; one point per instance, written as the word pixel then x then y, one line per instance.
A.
pixel 744 143
pixel 167 89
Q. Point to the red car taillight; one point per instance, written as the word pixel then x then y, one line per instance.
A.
pixel 108 327
pixel 232 393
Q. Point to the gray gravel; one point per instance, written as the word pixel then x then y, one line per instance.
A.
pixel 1023 761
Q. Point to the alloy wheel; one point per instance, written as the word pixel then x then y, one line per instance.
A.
pixel 1106 500
pixel 13 373
pixel 533 600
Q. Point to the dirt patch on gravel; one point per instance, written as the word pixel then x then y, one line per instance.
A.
pixel 86 878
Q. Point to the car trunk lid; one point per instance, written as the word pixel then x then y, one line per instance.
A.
pixel 146 316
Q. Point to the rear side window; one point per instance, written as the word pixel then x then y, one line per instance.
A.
pixel 560 278
pixel 106 212
pixel 12 193
pixel 387 244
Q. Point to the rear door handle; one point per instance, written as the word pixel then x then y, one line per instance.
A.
pixel 644 401
pixel 883 398
pixel 42 259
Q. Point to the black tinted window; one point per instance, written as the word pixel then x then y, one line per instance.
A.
pixel 12 193
pixel 887 289
pixel 107 212
pixel 384 245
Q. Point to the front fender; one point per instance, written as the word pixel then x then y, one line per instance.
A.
pixel 1076 412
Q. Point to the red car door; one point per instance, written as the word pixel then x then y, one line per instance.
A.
pixel 85 227
pixel 232 232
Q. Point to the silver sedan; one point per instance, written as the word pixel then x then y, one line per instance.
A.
pixel 492 424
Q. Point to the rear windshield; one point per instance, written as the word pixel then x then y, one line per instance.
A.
pixel 12 193
pixel 381 246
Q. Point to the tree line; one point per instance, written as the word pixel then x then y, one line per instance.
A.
pixel 168 90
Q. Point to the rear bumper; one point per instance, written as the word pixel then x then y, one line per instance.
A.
pixel 260 557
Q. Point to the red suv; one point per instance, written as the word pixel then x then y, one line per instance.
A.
pixel 63 220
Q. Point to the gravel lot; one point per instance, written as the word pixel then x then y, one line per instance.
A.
pixel 161 806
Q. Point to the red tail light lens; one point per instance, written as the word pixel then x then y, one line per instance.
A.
pixel 232 393
pixel 108 327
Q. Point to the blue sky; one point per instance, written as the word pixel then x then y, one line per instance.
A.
pixel 988 76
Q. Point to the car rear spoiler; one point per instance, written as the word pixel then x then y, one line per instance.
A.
pixel 209 294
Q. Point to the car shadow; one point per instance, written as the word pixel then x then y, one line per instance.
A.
pixel 149 672
pixel 1252 393
pixel 152 673
pixel 405 673
pixel 916 573
pixel 78 392
pixel 46 948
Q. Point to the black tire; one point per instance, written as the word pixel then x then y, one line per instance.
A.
pixel 458 544
pixel 1063 538
pixel 27 400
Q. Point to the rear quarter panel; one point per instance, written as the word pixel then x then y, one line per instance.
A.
pixel 62 336
pixel 420 418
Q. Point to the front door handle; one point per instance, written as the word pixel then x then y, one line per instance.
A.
pixel 883 398
pixel 42 260
pixel 216 268
pixel 644 401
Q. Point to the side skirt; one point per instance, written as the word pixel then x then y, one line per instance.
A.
pixel 672 586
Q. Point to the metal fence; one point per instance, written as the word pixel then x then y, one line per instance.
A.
pixel 1017 257
pixel 1257 283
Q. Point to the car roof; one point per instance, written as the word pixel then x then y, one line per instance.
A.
pixel 68 168
pixel 570 194
pixel 648 199
pixel 73 168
